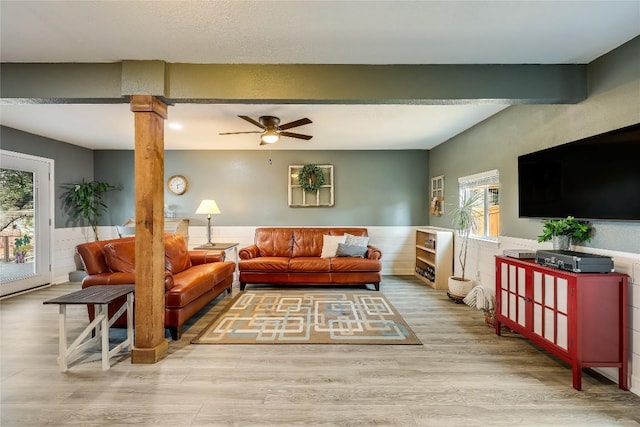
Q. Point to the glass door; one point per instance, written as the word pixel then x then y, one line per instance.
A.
pixel 25 222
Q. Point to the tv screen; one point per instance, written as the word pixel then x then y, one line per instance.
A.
pixel 593 178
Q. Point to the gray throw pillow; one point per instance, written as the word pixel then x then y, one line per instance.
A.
pixel 354 251
pixel 356 240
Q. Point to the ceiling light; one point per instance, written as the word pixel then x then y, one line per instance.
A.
pixel 270 136
pixel 175 126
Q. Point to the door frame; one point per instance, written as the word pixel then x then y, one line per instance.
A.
pixel 43 169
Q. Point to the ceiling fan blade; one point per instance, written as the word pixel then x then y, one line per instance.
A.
pixel 296 135
pixel 237 133
pixel 295 123
pixel 253 122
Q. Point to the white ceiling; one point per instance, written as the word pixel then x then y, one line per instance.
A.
pixel 311 32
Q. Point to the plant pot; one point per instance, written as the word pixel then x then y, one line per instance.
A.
pixel 561 242
pixel 459 287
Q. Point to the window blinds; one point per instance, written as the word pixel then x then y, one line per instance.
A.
pixel 491 177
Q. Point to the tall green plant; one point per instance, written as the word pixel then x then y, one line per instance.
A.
pixel 464 219
pixel 85 201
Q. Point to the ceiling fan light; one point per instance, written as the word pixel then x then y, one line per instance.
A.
pixel 270 136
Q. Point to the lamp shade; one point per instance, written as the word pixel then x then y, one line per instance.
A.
pixel 208 207
pixel 270 136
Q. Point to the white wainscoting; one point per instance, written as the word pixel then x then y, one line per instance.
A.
pixel 396 243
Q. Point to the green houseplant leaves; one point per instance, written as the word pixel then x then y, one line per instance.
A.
pixel 85 201
pixel 579 231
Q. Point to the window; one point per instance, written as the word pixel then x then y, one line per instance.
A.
pixel 487 185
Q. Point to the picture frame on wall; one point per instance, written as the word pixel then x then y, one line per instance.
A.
pixel 298 197
pixel 436 196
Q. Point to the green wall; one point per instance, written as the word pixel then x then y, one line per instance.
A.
pixel 496 143
pixel 381 188
pixel 71 163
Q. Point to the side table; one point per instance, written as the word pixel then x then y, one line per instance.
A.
pixel 100 296
pixel 226 247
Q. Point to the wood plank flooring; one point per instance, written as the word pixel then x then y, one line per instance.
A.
pixel 463 375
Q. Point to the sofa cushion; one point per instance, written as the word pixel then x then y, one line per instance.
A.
pixel 267 264
pixel 351 250
pixel 176 255
pixel 307 242
pixel 274 242
pixel 120 256
pixel 356 240
pixel 309 265
pixel 346 264
pixel 330 245
pixel 196 281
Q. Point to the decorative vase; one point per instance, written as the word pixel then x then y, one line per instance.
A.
pixel 561 242
pixel 459 287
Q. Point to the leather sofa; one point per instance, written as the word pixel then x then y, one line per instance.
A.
pixel 295 256
pixel 192 278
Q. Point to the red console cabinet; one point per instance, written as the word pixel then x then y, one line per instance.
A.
pixel 580 318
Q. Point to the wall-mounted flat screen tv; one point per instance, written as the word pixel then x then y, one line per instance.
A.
pixel 593 178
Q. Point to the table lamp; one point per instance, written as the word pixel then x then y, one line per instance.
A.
pixel 208 207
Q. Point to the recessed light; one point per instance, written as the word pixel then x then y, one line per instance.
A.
pixel 175 126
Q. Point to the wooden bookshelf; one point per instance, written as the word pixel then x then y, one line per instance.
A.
pixel 434 256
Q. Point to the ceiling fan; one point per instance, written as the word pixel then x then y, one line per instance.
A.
pixel 272 130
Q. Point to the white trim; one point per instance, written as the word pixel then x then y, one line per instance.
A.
pixel 43 169
pixel 482 178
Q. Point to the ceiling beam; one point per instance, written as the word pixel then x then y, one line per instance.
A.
pixel 294 83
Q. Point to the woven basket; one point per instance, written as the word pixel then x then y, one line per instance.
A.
pixel 489 317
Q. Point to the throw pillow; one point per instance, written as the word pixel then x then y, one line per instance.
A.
pixel 354 251
pixel 356 240
pixel 120 256
pixel 330 245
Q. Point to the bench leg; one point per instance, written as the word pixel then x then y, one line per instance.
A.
pixel 104 335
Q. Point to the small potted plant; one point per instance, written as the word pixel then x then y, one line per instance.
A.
pixel 464 219
pixel 21 247
pixel 85 200
pixel 562 232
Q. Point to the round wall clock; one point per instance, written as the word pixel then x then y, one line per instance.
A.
pixel 177 184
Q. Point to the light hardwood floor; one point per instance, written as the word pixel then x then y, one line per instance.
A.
pixel 463 375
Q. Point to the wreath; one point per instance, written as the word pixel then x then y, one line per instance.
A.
pixel 311 178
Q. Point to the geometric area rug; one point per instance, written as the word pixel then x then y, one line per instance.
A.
pixel 308 317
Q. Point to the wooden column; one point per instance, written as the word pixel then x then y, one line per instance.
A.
pixel 150 343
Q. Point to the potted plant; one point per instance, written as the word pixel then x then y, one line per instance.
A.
pixel 21 247
pixel 464 219
pixel 85 200
pixel 564 231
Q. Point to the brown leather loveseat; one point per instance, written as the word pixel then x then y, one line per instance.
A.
pixel 192 278
pixel 310 256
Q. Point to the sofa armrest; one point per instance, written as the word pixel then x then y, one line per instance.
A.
pixel 118 278
pixel 205 257
pixel 373 252
pixel 249 252
pixel 115 278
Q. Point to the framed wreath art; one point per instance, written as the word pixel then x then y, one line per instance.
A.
pixel 310 185
pixel 311 178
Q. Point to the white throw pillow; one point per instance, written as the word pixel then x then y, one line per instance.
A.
pixel 330 245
